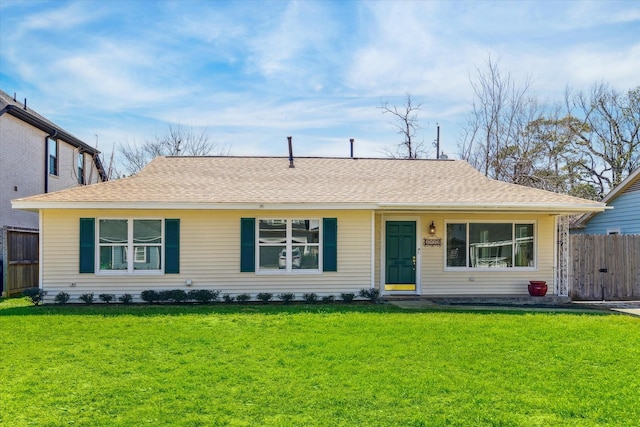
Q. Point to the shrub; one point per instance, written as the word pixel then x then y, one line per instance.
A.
pixel 203 296
pixel 310 298
pixel 328 299
pixel 125 298
pixel 150 296
pixel 371 294
pixel 87 298
pixel 243 298
pixel 228 298
pixel 347 297
pixel 106 297
pixel 164 296
pixel 62 298
pixel 35 294
pixel 265 296
pixel 176 295
pixel 287 297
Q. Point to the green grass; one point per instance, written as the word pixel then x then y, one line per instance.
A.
pixel 314 365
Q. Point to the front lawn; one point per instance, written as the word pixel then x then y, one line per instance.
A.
pixel 314 365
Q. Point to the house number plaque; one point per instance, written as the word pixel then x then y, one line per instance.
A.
pixel 433 242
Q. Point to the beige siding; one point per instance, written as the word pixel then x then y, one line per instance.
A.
pixel 209 254
pixel 436 281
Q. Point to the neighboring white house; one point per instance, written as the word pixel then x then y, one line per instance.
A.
pixel 623 218
pixel 37 156
pixel 323 225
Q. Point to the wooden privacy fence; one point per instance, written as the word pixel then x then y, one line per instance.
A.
pixel 604 267
pixel 19 259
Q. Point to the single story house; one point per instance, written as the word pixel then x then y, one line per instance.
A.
pixel 323 225
pixel 624 199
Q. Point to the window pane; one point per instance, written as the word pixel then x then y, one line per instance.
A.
pixel 305 231
pixel 524 245
pixel 113 231
pixel 456 245
pixel 305 257
pixel 53 156
pixel 273 257
pixel 146 257
pixel 490 245
pixel 113 257
pixel 273 231
pixel 147 231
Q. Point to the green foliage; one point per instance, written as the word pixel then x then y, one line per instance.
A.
pixel 371 294
pixel 203 296
pixel 347 297
pixel 34 294
pixel 322 365
pixel 107 298
pixel 150 296
pixel 287 297
pixel 228 298
pixel 62 298
pixel 125 298
pixel 164 296
pixel 327 299
pixel 310 298
pixel 242 298
pixel 265 296
pixel 87 298
pixel 176 295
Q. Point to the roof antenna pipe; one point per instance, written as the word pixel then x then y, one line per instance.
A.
pixel 437 141
pixel 351 141
pixel 291 165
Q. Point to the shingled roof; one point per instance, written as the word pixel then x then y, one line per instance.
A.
pixel 314 183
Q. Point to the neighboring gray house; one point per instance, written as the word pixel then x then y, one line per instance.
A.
pixel 37 156
pixel 622 219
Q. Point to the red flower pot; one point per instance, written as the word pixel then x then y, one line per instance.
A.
pixel 537 288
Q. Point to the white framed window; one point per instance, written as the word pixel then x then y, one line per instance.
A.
pixel 485 245
pixel 80 168
pixel 132 246
pixel 288 245
pixel 614 231
pixel 53 156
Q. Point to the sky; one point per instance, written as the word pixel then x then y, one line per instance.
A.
pixel 251 73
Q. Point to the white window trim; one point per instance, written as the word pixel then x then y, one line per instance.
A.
pixel 289 270
pixel 612 231
pixel 496 269
pixel 129 255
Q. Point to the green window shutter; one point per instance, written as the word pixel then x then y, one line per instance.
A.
pixel 247 245
pixel 172 246
pixel 87 245
pixel 330 244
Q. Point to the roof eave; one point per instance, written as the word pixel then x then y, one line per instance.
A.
pixel 460 207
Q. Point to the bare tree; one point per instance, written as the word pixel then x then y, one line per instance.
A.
pixel 607 124
pixel 178 141
pixel 405 120
pixel 494 140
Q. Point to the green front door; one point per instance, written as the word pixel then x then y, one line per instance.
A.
pixel 400 256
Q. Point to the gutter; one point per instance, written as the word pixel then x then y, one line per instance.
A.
pixel 27 204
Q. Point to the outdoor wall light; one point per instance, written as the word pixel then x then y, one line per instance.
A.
pixel 188 282
pixel 432 229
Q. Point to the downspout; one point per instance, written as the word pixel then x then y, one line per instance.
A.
pixel 46 158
